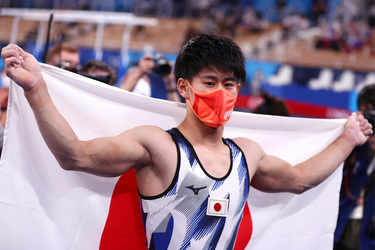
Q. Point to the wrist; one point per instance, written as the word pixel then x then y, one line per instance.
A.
pixel 36 94
pixel 35 88
pixel 347 140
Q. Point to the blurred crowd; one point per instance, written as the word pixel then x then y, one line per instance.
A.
pixel 347 27
pixel 350 29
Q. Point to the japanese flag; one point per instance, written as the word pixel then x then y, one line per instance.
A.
pixel 45 207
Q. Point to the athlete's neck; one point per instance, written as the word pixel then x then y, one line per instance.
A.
pixel 199 133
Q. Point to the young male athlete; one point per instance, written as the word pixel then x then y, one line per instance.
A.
pixel 193 183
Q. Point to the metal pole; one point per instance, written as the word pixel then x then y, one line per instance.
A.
pixel 47 38
pixel 99 41
pixel 125 45
pixel 14 32
pixel 40 37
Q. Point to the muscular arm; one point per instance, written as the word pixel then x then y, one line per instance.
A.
pixel 110 156
pixel 105 156
pixel 275 175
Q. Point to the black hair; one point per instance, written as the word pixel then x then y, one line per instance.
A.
pixel 272 106
pixel 367 96
pixel 209 51
pixel 96 64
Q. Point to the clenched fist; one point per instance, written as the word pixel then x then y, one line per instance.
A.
pixel 21 67
pixel 357 129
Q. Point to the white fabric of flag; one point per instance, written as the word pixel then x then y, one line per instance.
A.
pixel 45 207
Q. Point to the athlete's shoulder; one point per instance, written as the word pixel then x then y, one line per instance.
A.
pixel 154 139
pixel 149 128
pixel 149 131
pixel 248 146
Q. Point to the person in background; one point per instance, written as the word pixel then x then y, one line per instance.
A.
pixel 163 69
pixel 271 106
pixel 357 188
pixel 99 71
pixel 152 77
pixel 137 79
pixel 64 56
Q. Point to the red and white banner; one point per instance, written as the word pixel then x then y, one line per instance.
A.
pixel 45 207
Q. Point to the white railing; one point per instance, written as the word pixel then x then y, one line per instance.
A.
pixel 99 17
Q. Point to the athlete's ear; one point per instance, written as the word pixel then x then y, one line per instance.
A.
pixel 238 88
pixel 182 87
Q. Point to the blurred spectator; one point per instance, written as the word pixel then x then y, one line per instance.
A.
pixel 348 10
pixel 357 188
pixel 319 10
pixel 145 7
pixel 272 106
pixel 220 21
pixel 152 77
pixel 199 7
pixel 99 71
pixel 64 56
pixel 232 20
pixel 256 83
pixel 281 6
pixel 163 69
pixel 356 35
pixel 209 25
pixel 137 79
pixel 294 23
pixel 252 22
pixel 371 14
pixel 330 37
pixel 164 8
pixel 179 8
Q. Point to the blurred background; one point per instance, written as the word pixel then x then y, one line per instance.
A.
pixel 306 58
pixel 314 55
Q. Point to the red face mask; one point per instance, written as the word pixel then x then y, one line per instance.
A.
pixel 213 108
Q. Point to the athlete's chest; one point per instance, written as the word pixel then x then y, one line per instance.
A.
pixel 215 162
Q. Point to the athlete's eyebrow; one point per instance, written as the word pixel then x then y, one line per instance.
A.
pixel 208 76
pixel 214 77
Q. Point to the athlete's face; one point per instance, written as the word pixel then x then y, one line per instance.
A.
pixel 208 80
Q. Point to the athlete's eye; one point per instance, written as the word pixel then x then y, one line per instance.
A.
pixel 229 84
pixel 209 83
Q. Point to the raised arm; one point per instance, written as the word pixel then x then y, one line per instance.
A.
pixel 103 156
pixel 276 175
pixel 131 78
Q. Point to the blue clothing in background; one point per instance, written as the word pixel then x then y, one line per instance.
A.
pixel 359 180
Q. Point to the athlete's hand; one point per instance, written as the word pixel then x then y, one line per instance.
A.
pixel 357 129
pixel 21 67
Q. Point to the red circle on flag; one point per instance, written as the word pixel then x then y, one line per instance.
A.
pixel 217 206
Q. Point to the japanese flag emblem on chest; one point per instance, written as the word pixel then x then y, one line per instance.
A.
pixel 217 207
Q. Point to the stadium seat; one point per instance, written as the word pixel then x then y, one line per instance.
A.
pixel 346 81
pixel 324 80
pixel 283 77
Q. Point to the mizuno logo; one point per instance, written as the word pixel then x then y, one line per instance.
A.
pixel 195 189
